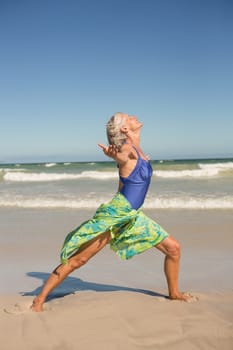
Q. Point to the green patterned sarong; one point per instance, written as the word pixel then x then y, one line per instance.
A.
pixel 132 232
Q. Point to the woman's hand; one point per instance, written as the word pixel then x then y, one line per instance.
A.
pixel 110 151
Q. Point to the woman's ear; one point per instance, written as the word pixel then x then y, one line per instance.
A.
pixel 124 129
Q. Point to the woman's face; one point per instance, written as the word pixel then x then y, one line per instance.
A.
pixel 131 123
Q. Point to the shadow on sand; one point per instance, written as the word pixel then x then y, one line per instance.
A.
pixel 72 285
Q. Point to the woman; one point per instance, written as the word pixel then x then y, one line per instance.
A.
pixel 119 222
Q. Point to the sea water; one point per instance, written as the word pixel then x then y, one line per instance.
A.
pixel 178 184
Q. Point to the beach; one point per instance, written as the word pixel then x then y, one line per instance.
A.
pixel 102 97
pixel 109 303
pixel 114 304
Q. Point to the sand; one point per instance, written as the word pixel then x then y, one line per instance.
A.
pixel 110 304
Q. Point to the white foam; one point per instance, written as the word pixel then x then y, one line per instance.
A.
pixel 11 170
pixel 204 171
pixel 226 165
pixel 100 175
pixel 49 165
pixel 50 203
pixel 42 177
pixel 186 173
pixel 225 202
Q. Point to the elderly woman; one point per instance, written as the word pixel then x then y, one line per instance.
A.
pixel 120 222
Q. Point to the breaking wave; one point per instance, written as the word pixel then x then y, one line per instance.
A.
pixel 225 202
pixel 42 177
pixel 204 171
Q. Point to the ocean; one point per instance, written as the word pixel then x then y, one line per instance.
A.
pixel 176 184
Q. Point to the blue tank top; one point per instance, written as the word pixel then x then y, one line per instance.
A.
pixel 136 185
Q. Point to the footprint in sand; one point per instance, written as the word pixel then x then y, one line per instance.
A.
pixel 192 298
pixel 21 308
pixel 17 309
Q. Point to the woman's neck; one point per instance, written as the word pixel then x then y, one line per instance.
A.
pixel 134 139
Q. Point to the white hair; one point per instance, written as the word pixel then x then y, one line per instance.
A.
pixel 114 134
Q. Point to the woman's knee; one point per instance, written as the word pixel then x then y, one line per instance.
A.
pixel 77 262
pixel 174 249
pixel 170 247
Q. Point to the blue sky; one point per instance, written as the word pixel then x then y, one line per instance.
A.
pixel 67 66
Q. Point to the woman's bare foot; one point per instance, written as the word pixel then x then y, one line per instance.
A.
pixel 37 304
pixel 184 297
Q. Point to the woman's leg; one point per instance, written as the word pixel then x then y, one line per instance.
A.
pixel 171 248
pixel 87 251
